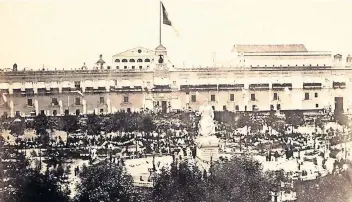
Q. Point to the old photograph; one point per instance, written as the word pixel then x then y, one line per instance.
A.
pixel 175 101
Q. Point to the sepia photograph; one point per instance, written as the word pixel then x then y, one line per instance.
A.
pixel 175 101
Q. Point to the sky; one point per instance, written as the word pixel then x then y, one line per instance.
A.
pixel 66 33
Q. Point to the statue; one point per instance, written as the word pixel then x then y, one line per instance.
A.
pixel 206 123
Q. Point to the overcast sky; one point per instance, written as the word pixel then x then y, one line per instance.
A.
pixel 66 33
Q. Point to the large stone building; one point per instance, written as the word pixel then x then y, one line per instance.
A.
pixel 258 77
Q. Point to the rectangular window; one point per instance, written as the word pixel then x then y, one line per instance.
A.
pixel 77 101
pixel 232 97
pixel 54 101
pixel 42 112
pixel 77 85
pixel 128 110
pixel 213 107
pixel 115 82
pixel 254 107
pixel 212 98
pixel 77 112
pixel 278 107
pixel 29 102
pixel 67 112
pixel 315 94
pixel 125 99
pixel 316 105
pixel 252 97
pixel 18 113
pixel 133 67
pixel 101 111
pixel 194 98
pixel 237 108
pixel 101 100
pixel 306 96
pixel 272 107
pixel 275 96
pixel 54 112
pixel 245 108
pixel 224 108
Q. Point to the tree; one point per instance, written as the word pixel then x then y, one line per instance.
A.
pixel 41 124
pixel 241 179
pixel 329 188
pixel 32 186
pixel 179 183
pixel 104 182
pixel 294 118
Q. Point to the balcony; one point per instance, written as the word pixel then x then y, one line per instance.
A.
pixel 126 89
pixel 236 87
pixel 339 85
pixel 202 87
pixel 281 86
pixel 259 86
pixel 312 86
pixel 161 88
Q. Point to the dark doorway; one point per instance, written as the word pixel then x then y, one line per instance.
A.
pixel 338 106
pixel 164 106
pixel 77 112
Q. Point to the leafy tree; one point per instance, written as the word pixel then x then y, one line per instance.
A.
pixel 179 183
pixel 69 124
pixel 329 188
pixel 17 127
pixel 41 124
pixel 294 118
pixel 240 179
pixel 33 186
pixel 104 182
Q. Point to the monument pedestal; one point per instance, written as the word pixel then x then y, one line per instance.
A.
pixel 207 147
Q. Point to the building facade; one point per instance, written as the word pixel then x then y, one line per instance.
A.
pixel 258 78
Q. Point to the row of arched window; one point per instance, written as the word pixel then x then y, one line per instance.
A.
pixel 132 60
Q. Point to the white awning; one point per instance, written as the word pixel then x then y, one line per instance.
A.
pixel 40 85
pixel 89 83
pixel 4 85
pixel 54 84
pixel 110 83
pixel 28 85
pixel 16 85
pixel 66 84
pixel 125 83
pixel 101 83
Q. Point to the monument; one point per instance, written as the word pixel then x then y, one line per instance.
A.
pixel 207 142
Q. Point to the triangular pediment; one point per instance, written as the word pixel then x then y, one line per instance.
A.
pixel 134 52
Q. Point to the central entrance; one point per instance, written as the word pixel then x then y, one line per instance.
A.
pixel 164 106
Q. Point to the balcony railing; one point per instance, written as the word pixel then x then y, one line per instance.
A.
pixel 339 85
pixel 259 86
pixel 199 87
pixel 281 86
pixel 230 86
pixel 312 86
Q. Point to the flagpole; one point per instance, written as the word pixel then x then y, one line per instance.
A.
pixel 160 23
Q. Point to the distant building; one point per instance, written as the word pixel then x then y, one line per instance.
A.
pixel 259 78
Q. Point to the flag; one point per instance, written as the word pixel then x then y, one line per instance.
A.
pixel 166 20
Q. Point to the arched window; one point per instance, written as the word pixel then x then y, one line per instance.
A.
pixel 124 60
pixel 117 60
pixel 139 60
pixel 132 60
pixel 147 60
